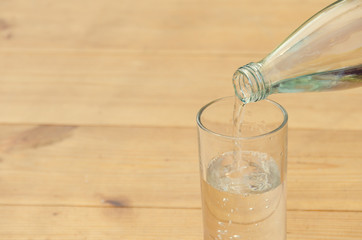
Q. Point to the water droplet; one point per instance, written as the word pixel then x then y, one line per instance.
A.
pixel 230 222
pixel 267 206
pixel 266 199
pixel 251 209
pixel 225 199
pixel 236 236
pixel 232 210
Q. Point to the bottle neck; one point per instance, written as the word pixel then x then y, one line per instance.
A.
pixel 249 83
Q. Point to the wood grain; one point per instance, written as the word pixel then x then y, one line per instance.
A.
pixel 114 88
pixel 158 25
pixel 79 223
pixel 97 126
pixel 143 167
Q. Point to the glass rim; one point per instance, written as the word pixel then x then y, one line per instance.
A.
pixel 200 124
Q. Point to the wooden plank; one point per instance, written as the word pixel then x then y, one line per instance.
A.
pixel 115 88
pixel 72 72
pixel 158 25
pixel 158 167
pixel 55 223
pixel 98 166
pixel 79 223
pixel 318 225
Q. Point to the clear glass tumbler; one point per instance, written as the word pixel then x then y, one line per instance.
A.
pixel 243 193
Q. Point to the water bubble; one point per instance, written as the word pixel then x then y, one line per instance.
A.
pixel 222 231
pixel 267 206
pixel 236 236
pixel 225 199
pixel 251 209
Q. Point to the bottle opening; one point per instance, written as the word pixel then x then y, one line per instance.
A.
pixel 249 83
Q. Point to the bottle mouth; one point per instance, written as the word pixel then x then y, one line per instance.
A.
pixel 249 84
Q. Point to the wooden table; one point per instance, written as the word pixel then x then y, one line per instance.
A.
pixel 98 102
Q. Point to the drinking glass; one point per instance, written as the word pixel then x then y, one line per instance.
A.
pixel 243 176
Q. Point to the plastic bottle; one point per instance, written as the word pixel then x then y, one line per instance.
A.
pixel 325 53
